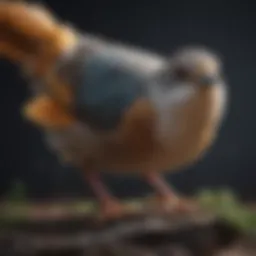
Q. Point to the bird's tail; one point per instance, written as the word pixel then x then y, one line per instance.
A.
pixel 31 36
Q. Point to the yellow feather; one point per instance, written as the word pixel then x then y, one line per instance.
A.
pixel 46 113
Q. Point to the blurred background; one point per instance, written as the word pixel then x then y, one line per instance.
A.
pixel 161 26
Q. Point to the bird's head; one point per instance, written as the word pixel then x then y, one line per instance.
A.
pixel 197 66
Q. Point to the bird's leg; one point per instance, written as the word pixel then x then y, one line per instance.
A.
pixel 110 206
pixel 166 196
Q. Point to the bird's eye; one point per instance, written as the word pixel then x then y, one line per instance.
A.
pixel 180 73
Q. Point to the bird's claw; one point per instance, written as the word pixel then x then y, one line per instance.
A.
pixel 111 210
pixel 174 205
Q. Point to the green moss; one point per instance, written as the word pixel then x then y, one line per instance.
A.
pixel 227 205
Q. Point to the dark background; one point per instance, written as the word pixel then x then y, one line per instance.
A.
pixel 162 26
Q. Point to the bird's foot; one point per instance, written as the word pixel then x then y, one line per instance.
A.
pixel 167 200
pixel 183 205
pixel 174 204
pixel 111 209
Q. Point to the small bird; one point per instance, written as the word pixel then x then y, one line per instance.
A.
pixel 103 105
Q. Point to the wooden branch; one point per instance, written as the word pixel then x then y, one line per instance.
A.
pixel 142 234
pixel 73 228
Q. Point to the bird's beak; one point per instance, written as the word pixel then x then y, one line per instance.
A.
pixel 209 80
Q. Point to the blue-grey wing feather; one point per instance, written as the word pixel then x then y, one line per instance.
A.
pixel 104 89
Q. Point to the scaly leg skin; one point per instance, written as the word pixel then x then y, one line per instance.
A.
pixel 169 201
pixel 110 207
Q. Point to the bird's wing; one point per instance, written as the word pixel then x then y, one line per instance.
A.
pixel 104 88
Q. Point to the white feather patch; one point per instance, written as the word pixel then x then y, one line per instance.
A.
pixel 166 104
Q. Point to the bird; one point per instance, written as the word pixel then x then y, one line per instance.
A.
pixel 103 105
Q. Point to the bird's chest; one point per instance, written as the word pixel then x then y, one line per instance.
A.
pixel 197 123
pixel 179 137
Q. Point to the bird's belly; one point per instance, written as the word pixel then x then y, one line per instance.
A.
pixel 184 150
pixel 80 147
pixel 159 158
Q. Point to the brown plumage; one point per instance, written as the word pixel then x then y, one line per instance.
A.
pixel 176 109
